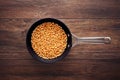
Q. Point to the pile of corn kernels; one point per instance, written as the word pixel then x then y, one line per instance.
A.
pixel 48 40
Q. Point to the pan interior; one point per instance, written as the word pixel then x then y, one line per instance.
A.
pixel 64 27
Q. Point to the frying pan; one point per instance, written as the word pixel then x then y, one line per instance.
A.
pixel 72 40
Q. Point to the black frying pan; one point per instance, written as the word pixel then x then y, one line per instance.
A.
pixel 64 27
pixel 72 40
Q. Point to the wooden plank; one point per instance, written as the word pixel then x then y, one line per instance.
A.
pixel 66 61
pixel 60 9
pixel 72 69
pixel 13 36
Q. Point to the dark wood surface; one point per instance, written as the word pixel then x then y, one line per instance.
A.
pixel 84 18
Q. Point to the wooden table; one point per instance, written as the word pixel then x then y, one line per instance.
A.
pixel 85 18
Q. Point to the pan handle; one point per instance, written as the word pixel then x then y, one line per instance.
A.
pixel 90 40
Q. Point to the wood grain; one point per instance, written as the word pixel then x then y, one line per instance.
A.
pixel 84 18
pixel 60 8
pixel 88 69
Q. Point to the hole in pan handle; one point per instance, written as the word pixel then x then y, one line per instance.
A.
pixel 89 40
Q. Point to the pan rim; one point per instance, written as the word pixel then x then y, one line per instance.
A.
pixel 31 50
